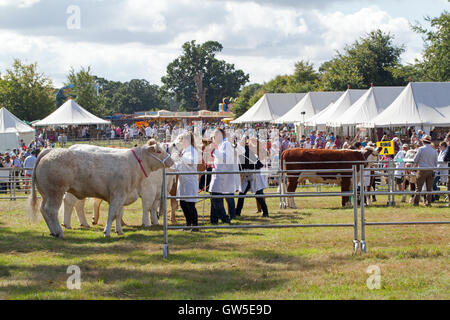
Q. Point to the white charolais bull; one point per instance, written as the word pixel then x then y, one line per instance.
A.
pixel 114 175
pixel 150 194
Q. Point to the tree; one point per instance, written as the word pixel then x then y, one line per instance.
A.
pixel 242 104
pixel 85 91
pixel 129 97
pixel 368 60
pixel 25 92
pixel 436 56
pixel 219 77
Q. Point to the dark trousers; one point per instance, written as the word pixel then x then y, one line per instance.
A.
pixel 424 177
pixel 190 213
pixel 218 209
pixel 261 201
pixel 435 197
pixel 231 208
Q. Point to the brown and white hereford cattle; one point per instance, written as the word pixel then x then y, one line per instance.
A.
pixel 336 159
pixel 114 176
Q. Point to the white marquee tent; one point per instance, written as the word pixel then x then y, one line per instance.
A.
pixel 312 103
pixel 419 104
pixel 270 107
pixel 366 108
pixel 329 114
pixel 70 113
pixel 12 130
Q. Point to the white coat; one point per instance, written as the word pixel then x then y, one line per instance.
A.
pixel 187 184
pixel 224 161
pixel 257 182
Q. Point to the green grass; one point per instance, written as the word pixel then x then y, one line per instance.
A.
pixel 301 263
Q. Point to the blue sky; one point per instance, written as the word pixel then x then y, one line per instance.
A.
pixel 126 39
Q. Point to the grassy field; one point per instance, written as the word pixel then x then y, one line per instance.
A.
pixel 305 263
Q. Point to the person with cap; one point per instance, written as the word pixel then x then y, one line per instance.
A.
pixel 426 157
pixel 399 175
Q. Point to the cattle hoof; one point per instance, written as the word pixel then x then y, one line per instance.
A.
pixel 62 224
pixel 85 226
pixel 120 233
pixel 145 225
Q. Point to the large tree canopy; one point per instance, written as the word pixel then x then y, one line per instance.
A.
pixel 220 78
pixel 129 97
pixel 436 56
pixel 25 92
pixel 85 91
pixel 368 60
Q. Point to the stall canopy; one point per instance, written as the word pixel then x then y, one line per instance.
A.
pixel 311 104
pixel 366 108
pixel 70 113
pixel 329 114
pixel 420 103
pixel 270 107
pixel 12 130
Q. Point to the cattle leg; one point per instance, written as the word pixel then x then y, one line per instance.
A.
pixel 154 213
pixel 291 187
pixel 68 203
pixel 97 203
pixel 173 210
pixel 113 212
pixel 50 212
pixel 119 230
pixel 345 187
pixel 79 208
pixel 145 210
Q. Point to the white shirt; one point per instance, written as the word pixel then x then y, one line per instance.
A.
pixel 223 161
pixel 29 163
pixel 187 184
pixel 399 163
pixel 148 131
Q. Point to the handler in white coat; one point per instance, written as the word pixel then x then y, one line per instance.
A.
pixel 188 184
pixel 255 182
pixel 222 184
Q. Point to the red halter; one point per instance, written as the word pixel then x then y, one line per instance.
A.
pixel 140 162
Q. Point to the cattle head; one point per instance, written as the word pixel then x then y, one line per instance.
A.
pixel 155 156
pixel 370 153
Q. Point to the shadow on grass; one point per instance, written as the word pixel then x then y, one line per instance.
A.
pixel 90 241
pixel 127 283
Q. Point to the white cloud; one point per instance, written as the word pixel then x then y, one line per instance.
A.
pixel 18 3
pixel 262 39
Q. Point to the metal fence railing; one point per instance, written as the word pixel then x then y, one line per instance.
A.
pixel 392 192
pixel 353 193
pixel 15 184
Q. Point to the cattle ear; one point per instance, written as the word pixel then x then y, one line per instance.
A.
pixel 152 148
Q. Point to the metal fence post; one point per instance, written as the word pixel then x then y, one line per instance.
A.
pixel 361 201
pixel 14 183
pixel 392 175
pixel 164 207
pixel 355 210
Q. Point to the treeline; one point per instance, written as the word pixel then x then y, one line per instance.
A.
pixel 374 58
